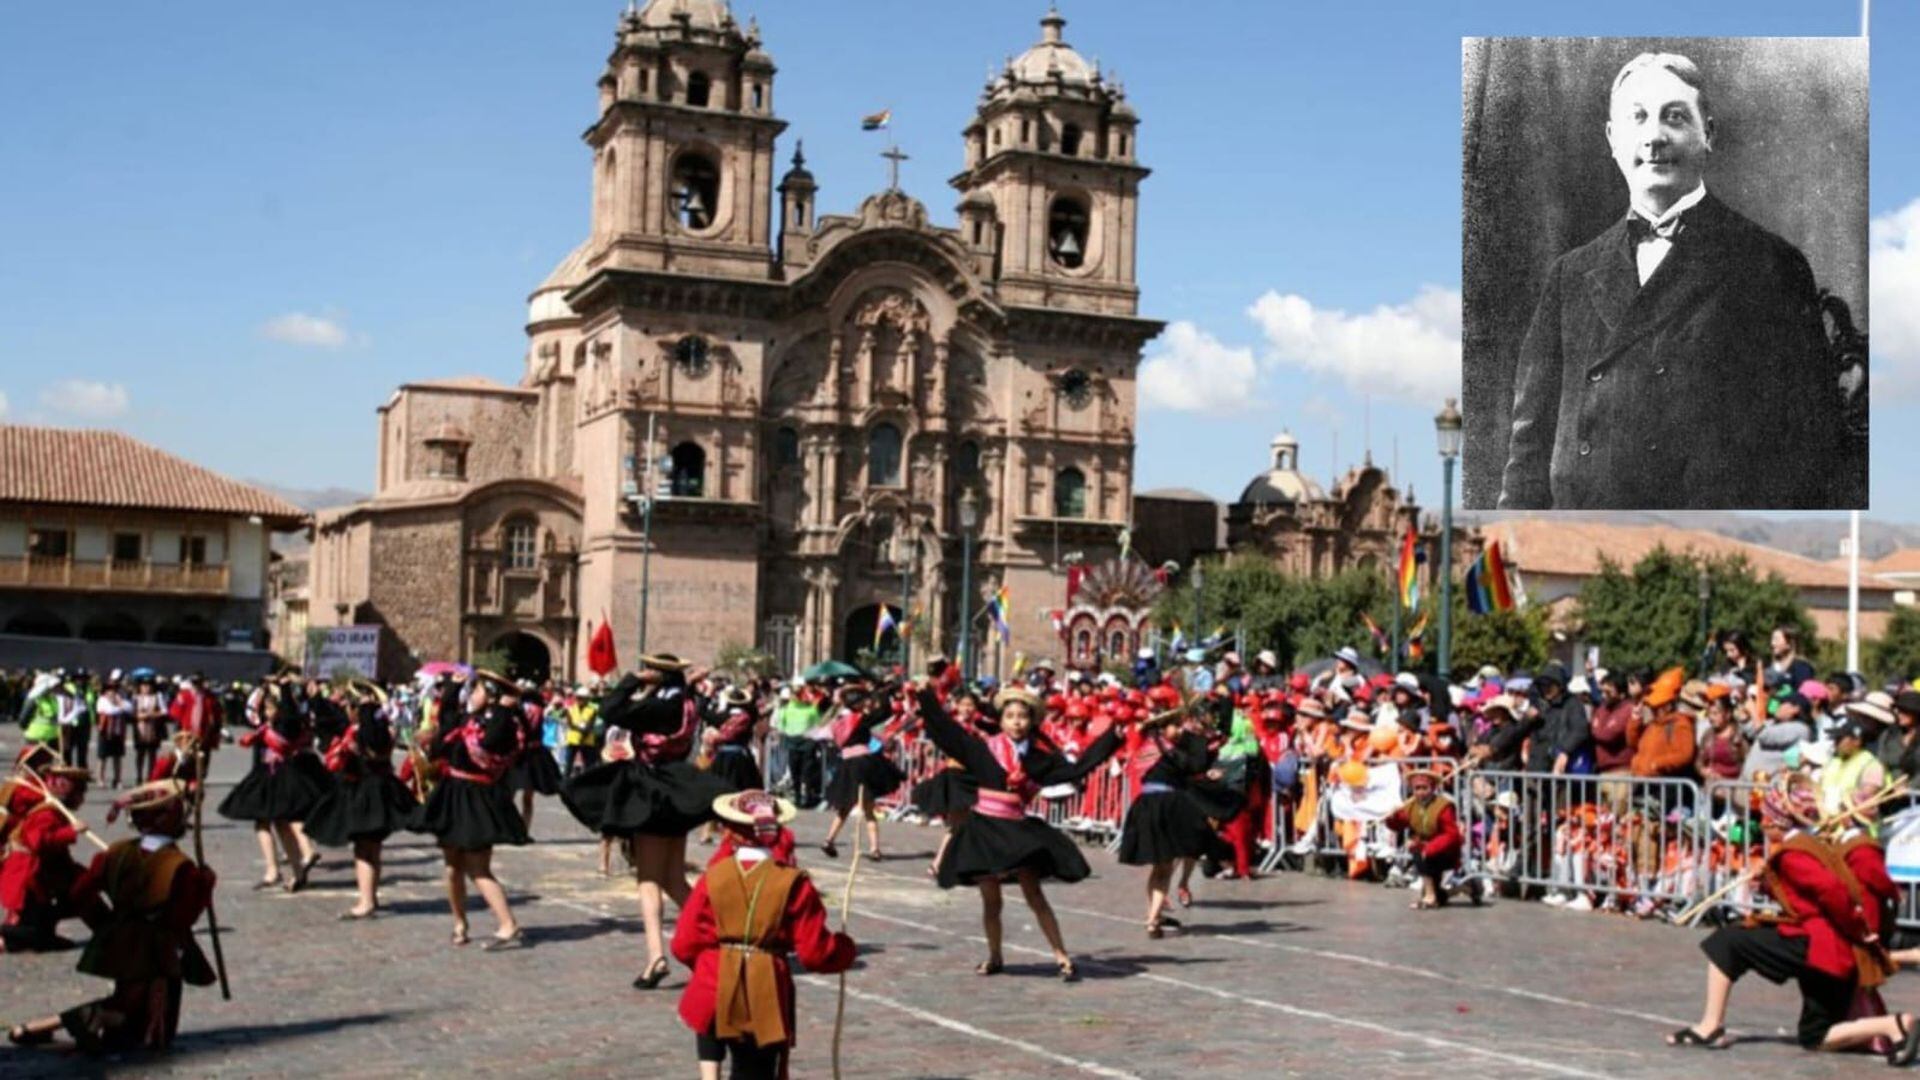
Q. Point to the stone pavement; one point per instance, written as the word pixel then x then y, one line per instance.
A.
pixel 1293 974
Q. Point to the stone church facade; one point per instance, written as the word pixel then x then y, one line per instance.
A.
pixel 766 420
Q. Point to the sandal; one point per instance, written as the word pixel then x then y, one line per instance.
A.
pixel 21 1035
pixel 515 940
pixel 1069 973
pixel 266 883
pixel 655 974
pixel 1909 1046
pixel 1155 932
pixel 829 850
pixel 460 934
pixel 351 915
pixel 1186 896
pixel 988 967
pixel 876 855
pixel 1712 1040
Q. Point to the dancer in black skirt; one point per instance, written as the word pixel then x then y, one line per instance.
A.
pixel 654 799
pixel 534 771
pixel 999 841
pixel 470 810
pixel 730 745
pixel 866 772
pixel 286 781
pixel 368 803
pixel 1177 800
pixel 948 794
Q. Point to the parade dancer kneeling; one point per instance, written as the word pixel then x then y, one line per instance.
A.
pixel 743 918
pixel 37 870
pixel 368 804
pixel 655 799
pixel 470 810
pixel 1435 839
pixel 865 772
pixel 1172 817
pixel 998 841
pixel 143 931
pixel 1821 939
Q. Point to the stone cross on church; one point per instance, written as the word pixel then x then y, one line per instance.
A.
pixel 894 158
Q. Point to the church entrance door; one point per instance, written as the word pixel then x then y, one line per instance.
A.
pixel 527 657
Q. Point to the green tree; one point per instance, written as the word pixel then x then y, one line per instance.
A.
pixel 1896 656
pixel 743 661
pixel 1511 640
pixel 1651 615
pixel 1299 619
pixel 494 660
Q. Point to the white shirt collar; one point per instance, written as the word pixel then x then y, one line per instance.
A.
pixel 750 855
pixel 152 842
pixel 1685 203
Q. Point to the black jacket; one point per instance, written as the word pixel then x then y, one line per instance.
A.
pixel 1562 728
pixel 1707 387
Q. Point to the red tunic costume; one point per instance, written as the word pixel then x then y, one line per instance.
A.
pixel 37 870
pixel 738 928
pixel 143 941
pixel 1436 839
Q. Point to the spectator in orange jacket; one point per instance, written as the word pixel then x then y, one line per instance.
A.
pixel 1663 746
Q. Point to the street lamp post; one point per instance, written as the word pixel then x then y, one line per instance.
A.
pixel 969 514
pixel 907 553
pixel 651 493
pixel 1447 425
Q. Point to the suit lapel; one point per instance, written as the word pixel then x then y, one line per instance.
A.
pixel 1672 289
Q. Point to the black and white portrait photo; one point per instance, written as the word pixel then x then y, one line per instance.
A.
pixel 1665 273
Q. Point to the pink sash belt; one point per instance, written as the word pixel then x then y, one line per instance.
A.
pixel 1000 804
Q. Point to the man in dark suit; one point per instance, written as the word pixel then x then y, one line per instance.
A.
pixel 1677 359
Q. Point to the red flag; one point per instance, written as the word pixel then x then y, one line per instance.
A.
pixel 600 655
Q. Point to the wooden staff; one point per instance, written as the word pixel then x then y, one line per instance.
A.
pixel 846 905
pixel 200 856
pixel 47 798
pixel 1892 790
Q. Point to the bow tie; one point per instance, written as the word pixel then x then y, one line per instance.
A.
pixel 1640 230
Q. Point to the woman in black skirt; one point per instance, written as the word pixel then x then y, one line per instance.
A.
pixel 948 794
pixel 729 746
pixel 653 800
pixel 470 810
pixel 999 841
pixel 534 771
pixel 286 782
pixel 865 772
pixel 1177 803
pixel 367 803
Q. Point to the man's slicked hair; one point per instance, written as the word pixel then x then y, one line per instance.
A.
pixel 1682 68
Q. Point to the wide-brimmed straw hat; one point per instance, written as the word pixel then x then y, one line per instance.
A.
pixel 737 697
pixel 754 807
pixel 665 661
pixel 152 795
pixel 1010 694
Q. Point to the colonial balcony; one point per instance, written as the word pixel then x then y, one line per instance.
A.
pixel 107 575
pixel 531 594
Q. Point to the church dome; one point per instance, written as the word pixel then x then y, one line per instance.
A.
pixel 1051 55
pixel 548 301
pixel 1284 483
pixel 701 14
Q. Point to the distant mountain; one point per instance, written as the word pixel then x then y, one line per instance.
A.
pixel 308 499
pixel 1815 538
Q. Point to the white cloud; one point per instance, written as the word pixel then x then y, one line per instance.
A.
pixel 1409 350
pixel 1194 372
pixel 299 328
pixel 1893 310
pixel 85 399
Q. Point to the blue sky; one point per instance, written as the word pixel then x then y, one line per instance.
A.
pixel 232 228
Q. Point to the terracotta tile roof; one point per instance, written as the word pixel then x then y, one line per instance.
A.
pixel 1574 548
pixel 1903 561
pixel 105 468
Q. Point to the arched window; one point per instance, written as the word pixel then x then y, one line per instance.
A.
pixel 38 623
pixel 1070 140
pixel 187 630
pixel 967 461
pixel 521 543
pixel 688 478
pixel 696 191
pixel 786 447
pixel 1069 494
pixel 117 626
pixel 883 456
pixel 699 89
pixel 1067 231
